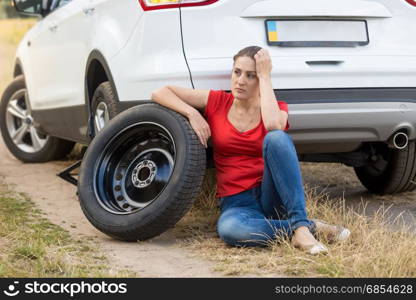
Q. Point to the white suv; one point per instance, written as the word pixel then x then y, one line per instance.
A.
pixel 347 70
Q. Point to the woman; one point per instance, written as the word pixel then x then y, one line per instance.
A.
pixel 259 181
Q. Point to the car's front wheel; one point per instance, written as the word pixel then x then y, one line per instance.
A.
pixel 18 129
pixel 141 174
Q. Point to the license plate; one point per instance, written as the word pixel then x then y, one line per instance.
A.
pixel 317 33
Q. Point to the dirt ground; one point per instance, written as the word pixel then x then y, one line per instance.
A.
pixel 159 257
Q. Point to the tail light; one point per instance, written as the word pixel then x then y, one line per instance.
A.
pixel 411 2
pixel 161 4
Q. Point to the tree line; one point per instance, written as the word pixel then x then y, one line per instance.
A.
pixel 7 10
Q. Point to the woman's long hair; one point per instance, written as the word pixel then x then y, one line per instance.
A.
pixel 249 51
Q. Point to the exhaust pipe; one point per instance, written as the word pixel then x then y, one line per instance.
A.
pixel 399 140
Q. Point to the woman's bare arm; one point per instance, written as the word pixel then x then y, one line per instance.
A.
pixel 181 100
pixel 273 117
pixel 186 102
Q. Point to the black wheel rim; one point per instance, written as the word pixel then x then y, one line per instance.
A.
pixel 134 168
pixel 379 165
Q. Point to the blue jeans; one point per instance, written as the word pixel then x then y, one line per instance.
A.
pixel 274 208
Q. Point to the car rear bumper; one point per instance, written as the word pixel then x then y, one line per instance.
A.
pixel 339 120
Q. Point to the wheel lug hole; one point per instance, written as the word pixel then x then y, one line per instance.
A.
pixel 120 198
pixel 119 176
pixel 117 188
pixel 125 206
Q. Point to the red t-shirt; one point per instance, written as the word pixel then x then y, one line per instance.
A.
pixel 238 156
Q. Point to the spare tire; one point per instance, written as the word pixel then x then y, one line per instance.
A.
pixel 141 173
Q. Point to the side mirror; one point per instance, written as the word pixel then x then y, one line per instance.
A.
pixel 31 7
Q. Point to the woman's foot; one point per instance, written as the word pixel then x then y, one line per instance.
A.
pixel 332 233
pixel 304 240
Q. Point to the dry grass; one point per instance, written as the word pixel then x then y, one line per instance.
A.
pixel 31 246
pixel 12 30
pixel 373 250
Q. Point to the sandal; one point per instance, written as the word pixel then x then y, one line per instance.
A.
pixel 312 247
pixel 333 233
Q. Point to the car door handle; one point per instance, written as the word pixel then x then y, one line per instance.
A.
pixel 89 11
pixel 53 27
pixel 324 62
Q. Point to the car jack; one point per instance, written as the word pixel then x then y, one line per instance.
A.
pixel 68 175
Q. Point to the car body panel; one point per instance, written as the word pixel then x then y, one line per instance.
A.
pixel 340 96
pixel 389 60
pixel 152 58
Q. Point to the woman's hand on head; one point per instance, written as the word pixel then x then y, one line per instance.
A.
pixel 263 63
pixel 201 127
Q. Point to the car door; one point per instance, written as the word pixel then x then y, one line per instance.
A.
pixel 60 51
pixel 38 57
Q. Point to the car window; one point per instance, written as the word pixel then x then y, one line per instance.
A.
pixel 63 2
pixel 58 3
pixel 28 6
